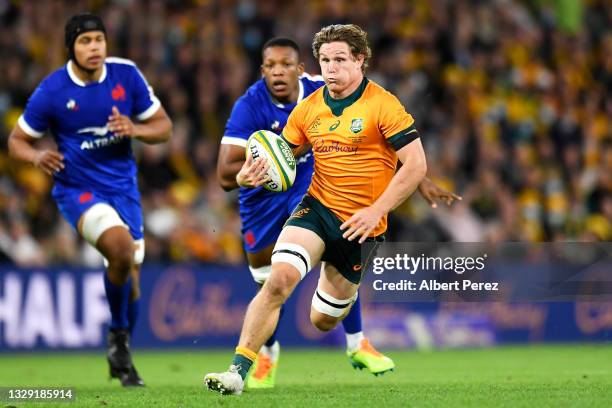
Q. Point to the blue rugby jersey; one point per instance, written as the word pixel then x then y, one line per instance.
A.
pixel 257 110
pixel 77 114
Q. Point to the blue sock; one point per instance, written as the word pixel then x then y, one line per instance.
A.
pixel 352 321
pixel 118 299
pixel 272 338
pixel 132 312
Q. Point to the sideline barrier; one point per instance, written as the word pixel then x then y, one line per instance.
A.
pixel 200 306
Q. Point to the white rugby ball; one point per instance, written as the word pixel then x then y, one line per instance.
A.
pixel 277 152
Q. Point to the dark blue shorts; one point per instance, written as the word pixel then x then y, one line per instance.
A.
pixel 262 223
pixel 73 202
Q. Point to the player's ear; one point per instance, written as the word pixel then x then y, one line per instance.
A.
pixel 300 68
pixel 261 69
pixel 360 59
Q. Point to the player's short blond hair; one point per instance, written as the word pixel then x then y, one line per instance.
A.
pixel 353 35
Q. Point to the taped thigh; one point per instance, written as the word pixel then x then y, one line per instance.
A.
pixel 327 304
pixel 97 219
pixel 293 254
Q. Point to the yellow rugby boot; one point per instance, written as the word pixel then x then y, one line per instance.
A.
pixel 263 373
pixel 366 356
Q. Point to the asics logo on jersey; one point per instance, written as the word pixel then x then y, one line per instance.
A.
pixel 96 130
pixel 334 126
pixel 118 93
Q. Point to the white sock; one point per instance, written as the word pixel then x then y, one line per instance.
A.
pixel 353 341
pixel 273 351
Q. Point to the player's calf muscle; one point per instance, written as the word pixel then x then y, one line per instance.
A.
pixel 322 321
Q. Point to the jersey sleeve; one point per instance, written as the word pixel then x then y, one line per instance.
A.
pixel 395 124
pixel 37 115
pixel 241 123
pixel 293 133
pixel 145 102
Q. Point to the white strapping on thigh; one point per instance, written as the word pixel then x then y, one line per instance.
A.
pixel 293 254
pixel 327 304
pixel 97 219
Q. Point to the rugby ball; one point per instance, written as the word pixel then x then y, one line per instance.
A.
pixel 277 152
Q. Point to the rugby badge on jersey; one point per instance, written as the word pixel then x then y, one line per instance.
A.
pixel 277 152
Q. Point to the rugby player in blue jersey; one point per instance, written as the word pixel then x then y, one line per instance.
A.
pixel 267 105
pixel 88 106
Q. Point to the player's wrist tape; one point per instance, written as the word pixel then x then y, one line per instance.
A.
pixel 293 254
pixel 327 304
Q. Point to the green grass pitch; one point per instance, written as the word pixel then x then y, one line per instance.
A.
pixel 533 376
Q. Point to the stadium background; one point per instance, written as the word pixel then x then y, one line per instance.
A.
pixel 513 100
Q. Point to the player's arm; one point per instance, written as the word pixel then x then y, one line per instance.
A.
pixel 155 129
pixel 233 168
pixel 31 127
pixel 299 150
pixel 431 192
pixel 229 162
pixel 293 133
pixel 21 147
pixel 406 180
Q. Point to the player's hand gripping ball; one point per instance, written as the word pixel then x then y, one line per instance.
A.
pixel 279 156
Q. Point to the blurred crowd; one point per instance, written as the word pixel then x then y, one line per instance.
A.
pixel 513 100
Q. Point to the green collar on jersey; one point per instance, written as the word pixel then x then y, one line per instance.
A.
pixel 337 106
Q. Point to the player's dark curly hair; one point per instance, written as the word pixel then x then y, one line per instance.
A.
pixel 281 42
pixel 353 35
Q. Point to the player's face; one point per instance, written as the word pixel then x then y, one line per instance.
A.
pixel 281 69
pixel 90 49
pixel 340 69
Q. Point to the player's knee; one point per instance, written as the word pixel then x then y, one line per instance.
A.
pixel 280 284
pixel 121 259
pixel 322 321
